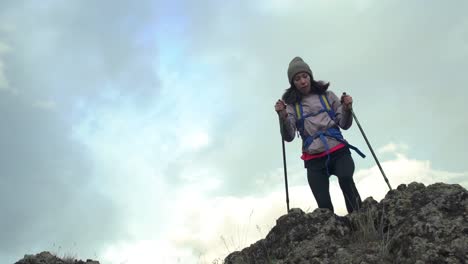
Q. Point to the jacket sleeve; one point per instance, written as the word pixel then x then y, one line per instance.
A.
pixel 288 124
pixel 344 118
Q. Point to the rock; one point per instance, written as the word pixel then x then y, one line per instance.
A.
pixel 412 224
pixel 48 258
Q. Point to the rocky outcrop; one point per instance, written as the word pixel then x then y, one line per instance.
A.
pixel 412 224
pixel 48 258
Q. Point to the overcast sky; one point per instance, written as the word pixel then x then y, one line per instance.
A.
pixel 145 132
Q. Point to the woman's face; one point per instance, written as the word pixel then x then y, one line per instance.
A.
pixel 302 82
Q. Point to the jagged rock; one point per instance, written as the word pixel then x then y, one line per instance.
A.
pixel 48 258
pixel 412 224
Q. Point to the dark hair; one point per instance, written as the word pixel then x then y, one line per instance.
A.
pixel 292 95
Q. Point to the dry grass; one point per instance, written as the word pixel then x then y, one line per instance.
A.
pixel 367 230
pixel 68 258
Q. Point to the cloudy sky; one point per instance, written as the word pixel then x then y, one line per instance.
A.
pixel 146 133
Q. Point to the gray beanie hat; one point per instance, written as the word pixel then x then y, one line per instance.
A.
pixel 296 66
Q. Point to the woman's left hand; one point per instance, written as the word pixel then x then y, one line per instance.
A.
pixel 347 102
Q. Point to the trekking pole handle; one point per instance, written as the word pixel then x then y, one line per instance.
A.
pixel 344 94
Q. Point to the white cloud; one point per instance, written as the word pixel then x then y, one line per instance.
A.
pixel 455 48
pixel 45 104
pixel 193 139
pixel 286 8
pixel 4 48
pixel 136 155
pixel 146 251
pixel 277 7
pixel 4 82
pixel 4 85
pixel 402 170
pixel 363 5
pixel 393 148
pixel 7 27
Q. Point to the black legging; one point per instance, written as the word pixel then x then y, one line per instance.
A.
pixel 341 164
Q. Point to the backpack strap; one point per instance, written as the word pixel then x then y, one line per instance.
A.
pixel 300 118
pixel 322 135
pixel 331 133
pixel 298 110
pixel 326 105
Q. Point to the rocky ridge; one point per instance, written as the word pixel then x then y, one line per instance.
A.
pixel 49 258
pixel 412 224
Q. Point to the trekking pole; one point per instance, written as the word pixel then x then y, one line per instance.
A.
pixel 284 165
pixel 370 147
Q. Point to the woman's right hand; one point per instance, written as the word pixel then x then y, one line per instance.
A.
pixel 280 108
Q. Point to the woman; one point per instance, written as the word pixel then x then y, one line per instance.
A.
pixel 309 108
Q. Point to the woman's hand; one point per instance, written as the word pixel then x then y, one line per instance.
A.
pixel 347 102
pixel 280 108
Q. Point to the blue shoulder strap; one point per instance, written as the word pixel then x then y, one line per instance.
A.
pixel 300 117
